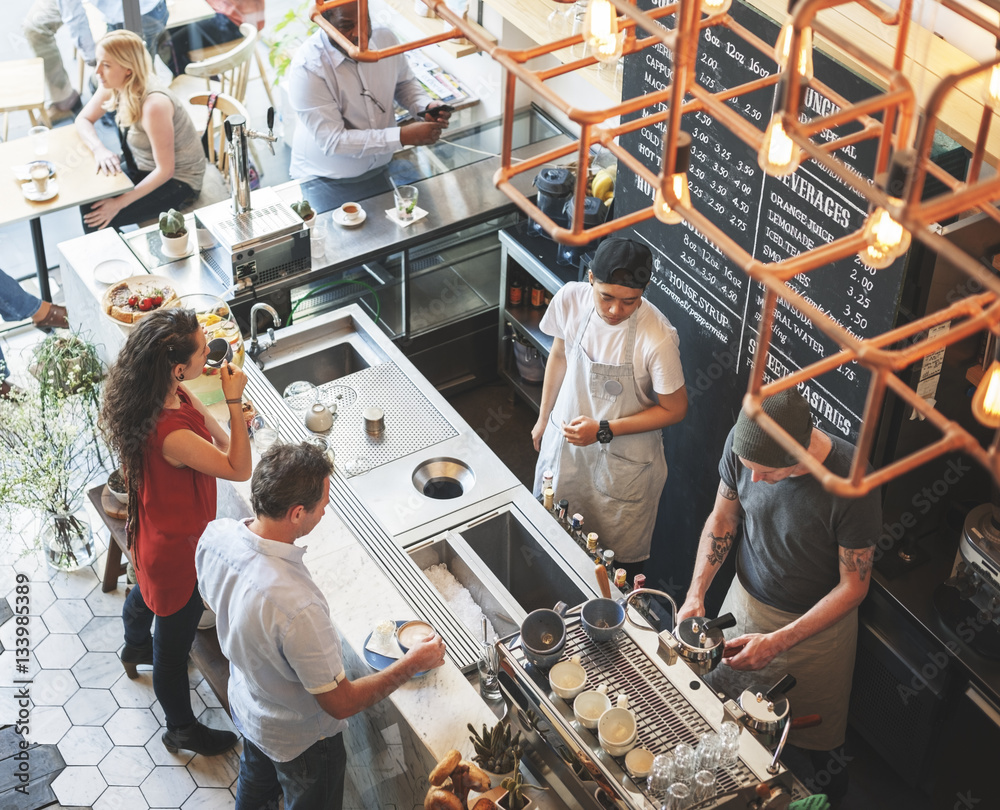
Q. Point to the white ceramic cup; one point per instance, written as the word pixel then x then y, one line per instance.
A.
pixel 617 729
pixel 568 678
pixel 590 705
pixel 350 211
pixel 639 762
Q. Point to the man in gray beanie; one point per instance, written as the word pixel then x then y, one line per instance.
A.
pixel 613 381
pixel 802 568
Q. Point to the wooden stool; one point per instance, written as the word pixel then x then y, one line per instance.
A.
pixel 113 565
pixel 22 87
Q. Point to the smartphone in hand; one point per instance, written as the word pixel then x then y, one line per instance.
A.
pixel 433 111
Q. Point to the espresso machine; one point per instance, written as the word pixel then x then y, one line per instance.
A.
pixel 255 238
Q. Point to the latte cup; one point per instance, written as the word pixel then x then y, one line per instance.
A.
pixel 617 729
pixel 39 174
pixel 351 211
pixel 590 705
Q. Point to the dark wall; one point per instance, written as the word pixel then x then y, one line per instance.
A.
pixel 713 304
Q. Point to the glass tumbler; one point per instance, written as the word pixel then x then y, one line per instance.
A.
pixel 264 438
pixel 704 786
pixel 685 763
pixel 729 753
pixel 678 797
pixel 661 775
pixel 489 672
pixel 709 751
pixel 406 202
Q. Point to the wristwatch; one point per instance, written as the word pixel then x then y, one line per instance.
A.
pixel 604 434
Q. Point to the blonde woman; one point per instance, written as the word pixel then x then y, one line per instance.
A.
pixel 161 152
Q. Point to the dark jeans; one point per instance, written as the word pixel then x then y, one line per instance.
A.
pixel 171 645
pixel 214 31
pixel 172 194
pixel 314 780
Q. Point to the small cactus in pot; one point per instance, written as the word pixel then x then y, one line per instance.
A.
pixel 173 233
pixel 304 210
pixel 497 749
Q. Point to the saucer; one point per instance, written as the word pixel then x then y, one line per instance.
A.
pixel 28 190
pixel 343 222
pixel 111 271
pixel 23 173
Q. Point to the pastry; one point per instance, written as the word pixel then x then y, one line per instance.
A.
pixel 128 301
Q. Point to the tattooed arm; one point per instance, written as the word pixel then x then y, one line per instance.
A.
pixel 716 541
pixel 756 650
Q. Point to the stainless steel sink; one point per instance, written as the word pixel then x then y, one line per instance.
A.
pixel 319 352
pixel 502 562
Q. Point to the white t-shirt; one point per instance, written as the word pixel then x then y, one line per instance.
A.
pixel 657 359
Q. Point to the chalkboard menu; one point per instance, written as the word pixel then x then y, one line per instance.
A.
pixel 712 303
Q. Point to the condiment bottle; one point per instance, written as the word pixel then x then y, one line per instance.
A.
pixel 515 293
pixel 537 296
pixel 562 511
pixel 609 563
pixel 621 580
pixel 592 542
pixel 547 496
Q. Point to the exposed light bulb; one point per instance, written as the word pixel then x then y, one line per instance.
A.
pixel 600 31
pixel 991 91
pixel 680 191
pixel 778 155
pixel 887 240
pixel 712 7
pixel 986 400
pixel 783 47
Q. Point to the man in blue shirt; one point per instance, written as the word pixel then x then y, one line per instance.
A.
pixel 288 693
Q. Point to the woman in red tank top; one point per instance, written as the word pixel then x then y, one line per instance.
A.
pixel 172 451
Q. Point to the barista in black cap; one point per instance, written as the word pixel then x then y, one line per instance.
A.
pixel 803 567
pixel 612 381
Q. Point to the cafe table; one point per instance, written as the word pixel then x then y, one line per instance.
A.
pixel 185 12
pixel 76 177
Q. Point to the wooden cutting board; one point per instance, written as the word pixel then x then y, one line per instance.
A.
pixel 112 506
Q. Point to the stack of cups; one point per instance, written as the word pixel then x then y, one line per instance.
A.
pixel 729 753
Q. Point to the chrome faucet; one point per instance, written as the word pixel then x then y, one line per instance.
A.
pixel 255 349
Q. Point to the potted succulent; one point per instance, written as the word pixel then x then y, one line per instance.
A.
pixel 305 210
pixel 51 451
pixel 497 749
pixel 514 798
pixel 173 233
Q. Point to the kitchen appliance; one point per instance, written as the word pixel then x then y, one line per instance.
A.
pixel 256 238
pixel 555 186
pixel 671 707
pixel 594 213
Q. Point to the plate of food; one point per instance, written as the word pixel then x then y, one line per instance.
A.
pixel 131 299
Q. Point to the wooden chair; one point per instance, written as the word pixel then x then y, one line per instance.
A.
pixel 226 72
pixel 200 54
pixel 225 106
pixel 22 87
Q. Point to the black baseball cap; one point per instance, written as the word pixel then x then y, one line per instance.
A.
pixel 624 262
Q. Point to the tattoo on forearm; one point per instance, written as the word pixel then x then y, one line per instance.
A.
pixel 726 492
pixel 857 559
pixel 720 548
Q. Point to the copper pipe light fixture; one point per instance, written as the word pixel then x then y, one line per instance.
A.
pixel 900 120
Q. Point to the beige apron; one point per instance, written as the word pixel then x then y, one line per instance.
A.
pixel 823 666
pixel 615 486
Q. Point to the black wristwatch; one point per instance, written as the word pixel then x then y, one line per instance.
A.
pixel 604 434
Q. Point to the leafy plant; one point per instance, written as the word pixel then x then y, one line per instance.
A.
pixel 289 33
pixel 172 224
pixel 497 749
pixel 303 209
pixel 515 787
pixel 66 363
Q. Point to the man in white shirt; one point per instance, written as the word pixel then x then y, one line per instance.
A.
pixel 45 18
pixel 288 693
pixel 346 117
pixel 613 381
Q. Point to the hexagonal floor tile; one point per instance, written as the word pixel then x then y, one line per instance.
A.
pixel 161 756
pixel 218 771
pixel 167 787
pixel 132 726
pixel 53 687
pixel 37 631
pixel 42 597
pixel 121 798
pixel 67 616
pixel 106 604
pixel 204 691
pixel 75 584
pixel 135 694
pixel 59 651
pixel 48 724
pixel 98 670
pixel 210 799
pixel 102 634
pixel 126 765
pixel 79 786
pixel 91 707
pixel 85 745
pixel 10 663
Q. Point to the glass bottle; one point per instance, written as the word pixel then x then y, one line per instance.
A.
pixel 609 563
pixel 579 50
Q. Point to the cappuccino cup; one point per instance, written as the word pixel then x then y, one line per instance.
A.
pixel 39 174
pixel 351 211
pixel 617 729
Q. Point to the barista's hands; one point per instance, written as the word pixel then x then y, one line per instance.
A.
pixel 581 431
pixel 428 654
pixel 233 381
pixel 751 651
pixel 434 114
pixel 693 606
pixel 420 133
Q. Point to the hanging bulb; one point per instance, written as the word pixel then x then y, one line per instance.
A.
pixel 712 7
pixel 991 90
pixel 784 45
pixel 678 181
pixel 778 155
pixel 986 400
pixel 600 31
pixel 887 239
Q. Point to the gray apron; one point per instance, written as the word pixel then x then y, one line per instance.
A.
pixel 615 486
pixel 823 666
